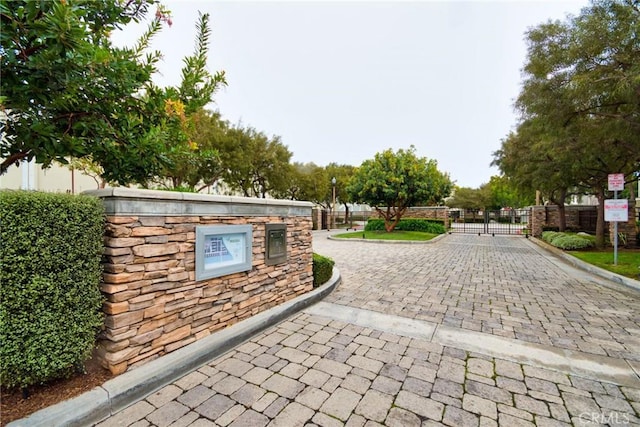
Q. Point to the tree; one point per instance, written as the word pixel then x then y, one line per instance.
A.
pixel 580 104
pixel 255 164
pixel 307 181
pixel 342 174
pixel 468 198
pixel 534 159
pixel 190 165
pixel 393 182
pixel 505 194
pixel 67 92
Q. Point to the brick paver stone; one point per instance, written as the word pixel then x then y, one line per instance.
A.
pixel 387 385
pixel 248 394
pixel 374 405
pixel 190 380
pixel 312 397
pixel 215 406
pixel 278 405
pixel 365 363
pixel 228 385
pixel 399 417
pixel 164 395
pixel 229 416
pixel 283 386
pixel 480 406
pixel 332 368
pixel 292 355
pixel 423 373
pixel 356 383
pixel 202 422
pixel 234 367
pixel 250 418
pixel 293 415
pixel 511 421
pixel 529 404
pixel 420 405
pixel 458 417
pixel 293 370
pixel 577 405
pixel 195 396
pixel 314 378
pixel 257 375
pixel 167 414
pixel 480 367
pixel 341 403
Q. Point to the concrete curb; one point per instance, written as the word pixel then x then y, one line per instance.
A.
pixel 605 274
pixel 120 392
pixel 406 242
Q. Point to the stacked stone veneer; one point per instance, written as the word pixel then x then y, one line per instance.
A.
pixel 154 304
pixel 425 212
pixel 549 216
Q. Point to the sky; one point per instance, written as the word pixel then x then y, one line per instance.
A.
pixel 339 81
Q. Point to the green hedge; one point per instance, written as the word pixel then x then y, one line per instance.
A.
pixel 51 305
pixel 568 241
pixel 433 226
pixel 322 269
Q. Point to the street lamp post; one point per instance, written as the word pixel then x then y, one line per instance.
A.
pixel 333 204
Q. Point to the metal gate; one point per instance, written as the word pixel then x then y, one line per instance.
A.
pixel 503 221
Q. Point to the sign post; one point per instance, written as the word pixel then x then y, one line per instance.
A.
pixel 616 210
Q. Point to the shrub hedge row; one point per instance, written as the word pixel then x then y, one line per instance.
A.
pixel 322 269
pixel 51 305
pixel 568 241
pixel 433 226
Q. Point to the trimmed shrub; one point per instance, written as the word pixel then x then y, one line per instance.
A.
pixel 322 269
pixel 571 242
pixel 548 236
pixel 51 305
pixel 410 224
pixel 568 241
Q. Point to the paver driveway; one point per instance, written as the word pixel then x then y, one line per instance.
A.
pixel 467 331
pixel 501 285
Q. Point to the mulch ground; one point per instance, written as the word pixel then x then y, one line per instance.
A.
pixel 13 406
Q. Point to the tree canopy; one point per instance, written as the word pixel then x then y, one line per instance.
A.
pixel 67 92
pixel 393 182
pixel 579 105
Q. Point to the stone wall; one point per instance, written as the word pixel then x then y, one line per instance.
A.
pixel 426 212
pixel 154 304
pixel 549 217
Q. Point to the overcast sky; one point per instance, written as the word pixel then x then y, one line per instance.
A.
pixel 341 81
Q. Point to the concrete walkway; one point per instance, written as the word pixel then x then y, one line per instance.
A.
pixel 468 331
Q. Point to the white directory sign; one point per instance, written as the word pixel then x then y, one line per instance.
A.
pixel 616 181
pixel 616 210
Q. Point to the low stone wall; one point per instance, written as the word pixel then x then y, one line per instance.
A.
pixel 426 212
pixel 154 304
pixel 429 212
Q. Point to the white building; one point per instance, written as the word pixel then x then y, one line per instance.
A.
pixel 57 178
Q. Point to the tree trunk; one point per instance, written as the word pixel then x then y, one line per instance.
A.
pixel 346 213
pixel 562 212
pixel 600 224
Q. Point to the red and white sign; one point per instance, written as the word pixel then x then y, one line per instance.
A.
pixel 616 181
pixel 616 210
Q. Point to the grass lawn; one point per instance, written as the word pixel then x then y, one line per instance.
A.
pixel 383 235
pixel 628 261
